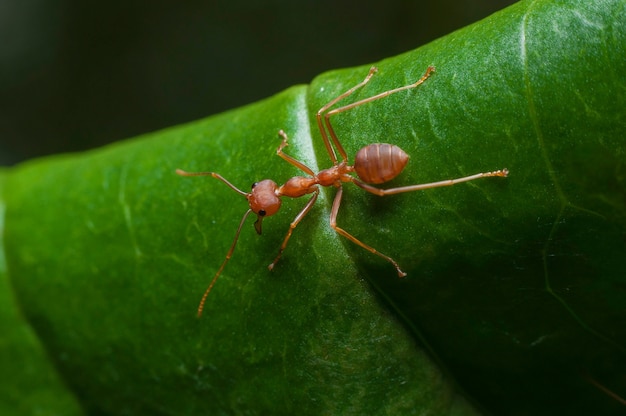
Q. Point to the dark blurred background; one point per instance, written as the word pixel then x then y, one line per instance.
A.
pixel 77 74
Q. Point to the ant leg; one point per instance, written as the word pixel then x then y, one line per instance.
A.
pixel 333 224
pixel 429 72
pixel 391 191
pixel 293 225
pixel 228 256
pixel 340 149
pixel 289 159
pixel 327 116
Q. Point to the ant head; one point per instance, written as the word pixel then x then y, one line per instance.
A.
pixel 263 201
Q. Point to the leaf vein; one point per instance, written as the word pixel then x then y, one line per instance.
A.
pixel 128 218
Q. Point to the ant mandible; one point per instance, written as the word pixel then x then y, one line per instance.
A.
pixel 373 164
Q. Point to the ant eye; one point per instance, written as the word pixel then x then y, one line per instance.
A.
pixel 261 213
pixel 254 185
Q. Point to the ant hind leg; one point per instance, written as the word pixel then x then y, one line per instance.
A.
pixel 333 136
pixel 333 224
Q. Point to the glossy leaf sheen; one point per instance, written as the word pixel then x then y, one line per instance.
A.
pixel 515 292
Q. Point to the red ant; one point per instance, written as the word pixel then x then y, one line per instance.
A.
pixel 374 164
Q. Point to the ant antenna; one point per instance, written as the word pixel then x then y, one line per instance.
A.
pixel 232 247
pixel 228 256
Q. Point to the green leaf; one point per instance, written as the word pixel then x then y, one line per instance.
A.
pixel 515 288
pixel 31 383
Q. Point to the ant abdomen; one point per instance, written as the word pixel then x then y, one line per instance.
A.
pixel 379 162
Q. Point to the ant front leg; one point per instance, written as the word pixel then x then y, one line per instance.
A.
pixel 293 225
pixel 304 168
pixel 333 224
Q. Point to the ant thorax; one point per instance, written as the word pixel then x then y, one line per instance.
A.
pixel 298 186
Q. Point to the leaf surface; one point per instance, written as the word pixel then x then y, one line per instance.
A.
pixel 515 288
